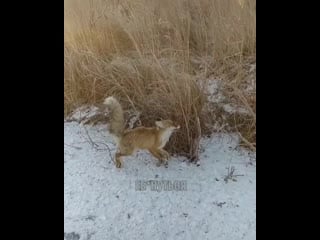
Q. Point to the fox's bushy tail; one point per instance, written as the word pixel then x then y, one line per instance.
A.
pixel 116 124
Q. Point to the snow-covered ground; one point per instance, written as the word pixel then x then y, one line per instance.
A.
pixel 103 202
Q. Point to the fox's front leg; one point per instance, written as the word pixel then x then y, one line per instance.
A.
pixel 165 155
pixel 156 153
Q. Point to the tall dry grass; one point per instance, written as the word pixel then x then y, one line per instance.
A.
pixel 149 54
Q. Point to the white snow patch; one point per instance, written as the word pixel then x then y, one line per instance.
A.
pixel 101 201
pixel 214 92
pixel 83 112
pixel 234 109
pixel 215 95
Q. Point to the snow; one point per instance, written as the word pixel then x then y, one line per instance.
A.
pixel 234 109
pixel 103 202
pixel 215 95
pixel 83 112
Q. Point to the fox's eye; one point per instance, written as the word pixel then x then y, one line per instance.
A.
pixel 159 119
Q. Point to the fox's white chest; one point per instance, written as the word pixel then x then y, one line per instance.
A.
pixel 165 137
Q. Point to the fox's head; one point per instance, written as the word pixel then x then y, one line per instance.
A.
pixel 168 124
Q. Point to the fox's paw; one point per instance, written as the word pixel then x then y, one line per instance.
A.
pixel 166 164
pixel 118 164
pixel 165 155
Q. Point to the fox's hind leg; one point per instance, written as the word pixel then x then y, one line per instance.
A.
pixel 118 160
pixel 123 151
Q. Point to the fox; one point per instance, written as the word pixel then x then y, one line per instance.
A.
pixel 129 141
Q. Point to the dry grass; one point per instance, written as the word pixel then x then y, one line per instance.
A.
pixel 146 53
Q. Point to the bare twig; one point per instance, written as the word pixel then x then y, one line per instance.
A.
pixel 76 147
pixel 107 148
pixel 231 175
pixel 96 146
pixel 93 144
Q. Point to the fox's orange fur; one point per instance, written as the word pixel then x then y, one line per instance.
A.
pixel 130 140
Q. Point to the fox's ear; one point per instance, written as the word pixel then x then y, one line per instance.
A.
pixel 159 124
